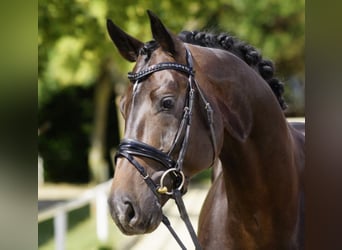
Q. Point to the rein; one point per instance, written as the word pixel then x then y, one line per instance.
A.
pixel 129 148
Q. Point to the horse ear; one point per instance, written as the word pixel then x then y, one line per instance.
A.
pixel 128 46
pixel 165 38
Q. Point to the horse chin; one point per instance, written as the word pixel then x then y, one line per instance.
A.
pixel 141 226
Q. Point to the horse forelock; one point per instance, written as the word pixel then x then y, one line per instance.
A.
pixel 242 50
pixel 148 49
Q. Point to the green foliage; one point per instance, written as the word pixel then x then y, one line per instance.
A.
pixel 71 44
pixel 73 41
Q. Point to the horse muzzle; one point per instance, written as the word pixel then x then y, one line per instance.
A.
pixel 136 208
pixel 134 217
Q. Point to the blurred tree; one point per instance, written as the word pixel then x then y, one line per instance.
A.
pixel 72 51
pixel 74 48
pixel 65 123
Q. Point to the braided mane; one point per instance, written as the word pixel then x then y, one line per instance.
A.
pixel 241 49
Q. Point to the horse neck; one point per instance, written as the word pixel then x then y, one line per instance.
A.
pixel 261 165
pixel 237 88
pixel 260 184
pixel 261 179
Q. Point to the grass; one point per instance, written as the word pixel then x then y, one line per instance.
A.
pixel 81 232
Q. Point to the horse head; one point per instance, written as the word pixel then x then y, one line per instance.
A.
pixel 159 108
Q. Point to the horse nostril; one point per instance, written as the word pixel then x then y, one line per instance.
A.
pixel 122 211
pixel 130 213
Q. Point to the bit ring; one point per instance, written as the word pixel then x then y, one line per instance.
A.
pixel 163 189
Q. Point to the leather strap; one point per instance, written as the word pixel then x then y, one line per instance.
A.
pixel 158 67
pixel 139 148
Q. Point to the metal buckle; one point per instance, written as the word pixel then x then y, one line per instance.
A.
pixel 163 189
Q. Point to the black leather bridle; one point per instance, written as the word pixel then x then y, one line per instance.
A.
pixel 130 148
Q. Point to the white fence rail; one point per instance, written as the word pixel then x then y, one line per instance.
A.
pixel 59 213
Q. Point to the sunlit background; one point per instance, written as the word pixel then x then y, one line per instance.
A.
pixel 81 76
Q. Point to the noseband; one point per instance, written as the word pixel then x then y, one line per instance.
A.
pixel 130 148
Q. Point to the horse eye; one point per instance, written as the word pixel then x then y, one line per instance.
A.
pixel 167 103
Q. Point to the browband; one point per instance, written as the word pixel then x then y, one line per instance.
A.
pixel 162 66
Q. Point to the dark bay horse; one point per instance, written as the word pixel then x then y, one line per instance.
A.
pixel 197 101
